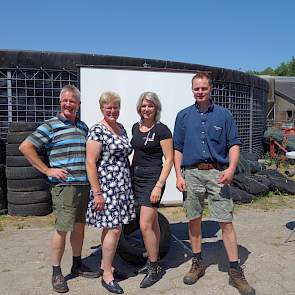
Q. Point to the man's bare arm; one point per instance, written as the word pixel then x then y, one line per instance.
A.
pixel 180 182
pixel 29 151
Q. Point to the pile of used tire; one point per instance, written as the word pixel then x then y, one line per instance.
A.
pixel 253 180
pixel 27 189
pixel 3 188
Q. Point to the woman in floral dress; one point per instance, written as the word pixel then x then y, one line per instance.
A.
pixel 111 201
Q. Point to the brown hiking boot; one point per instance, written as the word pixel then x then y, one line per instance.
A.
pixel 237 279
pixel 59 284
pixel 196 271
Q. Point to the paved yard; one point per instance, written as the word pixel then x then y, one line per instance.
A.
pixel 270 263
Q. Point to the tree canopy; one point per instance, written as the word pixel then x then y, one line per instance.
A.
pixel 284 69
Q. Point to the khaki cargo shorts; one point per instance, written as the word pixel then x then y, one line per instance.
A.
pixel 203 184
pixel 69 204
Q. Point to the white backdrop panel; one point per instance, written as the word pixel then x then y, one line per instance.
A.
pixel 174 90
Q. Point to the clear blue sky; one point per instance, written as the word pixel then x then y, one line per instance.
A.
pixel 236 34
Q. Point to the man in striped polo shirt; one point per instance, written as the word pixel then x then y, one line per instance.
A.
pixel 64 138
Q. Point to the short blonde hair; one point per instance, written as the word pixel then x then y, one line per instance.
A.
pixel 152 97
pixel 109 96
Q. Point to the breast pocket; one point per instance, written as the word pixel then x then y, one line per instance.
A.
pixel 215 133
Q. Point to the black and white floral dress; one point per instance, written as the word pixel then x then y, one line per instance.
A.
pixel 114 178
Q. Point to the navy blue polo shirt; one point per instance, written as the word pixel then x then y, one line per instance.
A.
pixel 205 136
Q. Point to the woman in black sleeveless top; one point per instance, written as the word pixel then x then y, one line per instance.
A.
pixel 151 140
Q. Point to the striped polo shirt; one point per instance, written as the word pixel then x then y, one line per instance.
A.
pixel 65 144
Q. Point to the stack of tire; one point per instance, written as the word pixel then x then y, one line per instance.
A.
pixel 3 189
pixel 27 189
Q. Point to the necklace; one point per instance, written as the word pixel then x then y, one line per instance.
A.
pixel 146 129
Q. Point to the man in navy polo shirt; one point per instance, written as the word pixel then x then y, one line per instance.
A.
pixel 207 150
pixel 64 138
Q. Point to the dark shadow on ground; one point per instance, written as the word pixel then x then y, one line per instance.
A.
pixel 180 249
pixel 213 253
pixel 209 229
pixel 93 261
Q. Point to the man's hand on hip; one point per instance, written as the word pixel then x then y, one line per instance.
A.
pixel 58 173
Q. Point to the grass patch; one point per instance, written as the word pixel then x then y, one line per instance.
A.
pixel 270 201
pixel 175 212
pixel 206 211
pixel 20 222
pixel 20 226
pixel 2 217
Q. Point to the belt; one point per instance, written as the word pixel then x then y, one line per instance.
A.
pixel 204 166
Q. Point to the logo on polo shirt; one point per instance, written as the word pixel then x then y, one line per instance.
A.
pixel 217 128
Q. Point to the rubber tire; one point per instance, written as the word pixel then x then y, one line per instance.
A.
pixel 3 200
pixel 279 181
pixel 17 137
pixel 3 211
pixel 12 149
pixel 23 173
pixel 240 196
pixel 27 185
pixel 24 198
pixel 17 161
pixel 2 171
pixel 2 176
pixel 22 126
pixel 39 209
pixel 2 152
pixel 21 161
pixel 138 255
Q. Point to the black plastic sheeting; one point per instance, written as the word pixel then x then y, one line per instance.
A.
pixel 72 61
pixel 252 180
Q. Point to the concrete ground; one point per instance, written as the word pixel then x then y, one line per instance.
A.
pixel 269 262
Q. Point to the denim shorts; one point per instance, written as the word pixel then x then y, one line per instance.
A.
pixel 203 184
pixel 69 204
pixel 144 180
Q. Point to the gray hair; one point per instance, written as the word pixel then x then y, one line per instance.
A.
pixel 70 88
pixel 109 96
pixel 152 97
